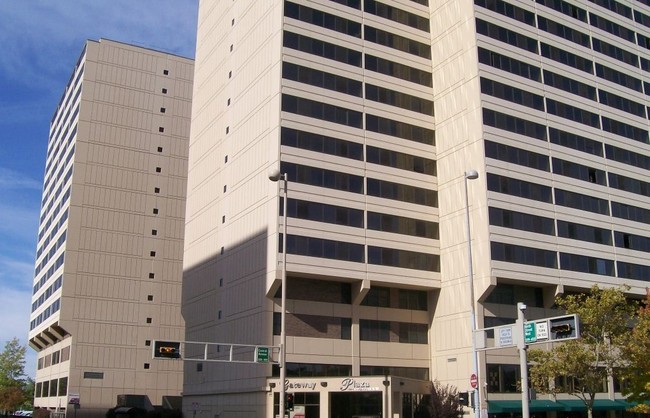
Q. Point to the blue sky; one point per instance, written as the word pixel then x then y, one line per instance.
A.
pixel 40 41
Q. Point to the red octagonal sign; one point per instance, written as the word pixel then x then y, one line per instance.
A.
pixel 473 380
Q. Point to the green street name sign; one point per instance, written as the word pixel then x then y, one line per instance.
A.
pixel 530 332
pixel 262 354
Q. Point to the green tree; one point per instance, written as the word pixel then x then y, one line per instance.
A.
pixel 636 351
pixel 442 402
pixel 585 363
pixel 12 375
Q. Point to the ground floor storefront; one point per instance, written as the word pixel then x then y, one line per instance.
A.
pixel 350 397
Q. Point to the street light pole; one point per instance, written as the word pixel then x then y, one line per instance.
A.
pixel 471 175
pixel 275 176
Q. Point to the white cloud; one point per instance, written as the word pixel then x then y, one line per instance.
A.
pixel 10 179
pixel 43 37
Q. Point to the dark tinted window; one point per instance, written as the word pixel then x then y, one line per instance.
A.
pixel 400 160
pixel 584 232
pixel 394 69
pixel 567 58
pixel 400 129
pixel 321 212
pixel 516 155
pixel 629 184
pixel 402 192
pixel 633 271
pixel 321 143
pixel 577 142
pixel 514 124
pixel 522 221
pixel 523 255
pixel 399 99
pixel 320 18
pixel 586 264
pixel 581 201
pixel 402 225
pixel 321 49
pixel 397 15
pixel 579 171
pixel 520 188
pixel 403 259
pixel 398 42
pixel 508 64
pixel 562 31
pixel 506 35
pixel 512 94
pixel 323 178
pixel 321 79
pixel 632 242
pixel 324 248
pixel 623 129
pixel 322 111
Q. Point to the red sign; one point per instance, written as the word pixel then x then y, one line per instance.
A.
pixel 473 380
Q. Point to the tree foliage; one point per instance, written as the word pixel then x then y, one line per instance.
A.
pixel 12 376
pixel 636 351
pixel 442 402
pixel 585 363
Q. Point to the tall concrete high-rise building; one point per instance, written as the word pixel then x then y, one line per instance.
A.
pixel 377 111
pixel 110 242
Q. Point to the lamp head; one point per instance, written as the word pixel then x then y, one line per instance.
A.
pixel 274 174
pixel 471 174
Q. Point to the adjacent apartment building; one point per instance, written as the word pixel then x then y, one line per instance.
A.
pixel 107 279
pixel 375 110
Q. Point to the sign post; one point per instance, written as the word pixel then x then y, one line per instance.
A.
pixel 262 355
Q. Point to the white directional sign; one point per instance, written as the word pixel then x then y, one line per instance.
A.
pixel 504 336
pixel 542 330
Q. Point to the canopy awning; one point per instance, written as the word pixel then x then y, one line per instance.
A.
pixel 540 405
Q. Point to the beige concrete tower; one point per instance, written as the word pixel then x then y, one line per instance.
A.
pixel 108 269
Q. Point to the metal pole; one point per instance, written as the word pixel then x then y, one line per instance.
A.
pixel 471 175
pixel 283 300
pixel 523 360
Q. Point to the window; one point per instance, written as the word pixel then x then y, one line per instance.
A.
pixel 161 129
pixel 584 232
pixel 156 190
pixel 633 271
pixel 413 333
pixel 615 52
pixel 160 149
pixel 322 111
pixel 323 248
pixel 577 142
pixel 586 264
pixel 573 113
pixel 508 64
pixel 158 169
pixel 63 386
pixel 400 129
pixel 164 90
pixel 402 225
pixel 155 211
pixel 506 35
pixel 566 8
pixel 632 213
pixel 522 221
pixel 321 143
pixel 611 27
pixel 227 129
pixel 581 201
pixel 623 129
pixel 509 10
pixel 322 19
pixel 621 103
pixel 147 365
pixel 321 79
pixel 377 296
pixel 374 330
pixel 562 31
pixel 149 320
pixel 398 42
pixel 154 232
pixel 567 58
pixel 400 160
pixel 403 259
pixel 397 15
pixel 402 192
pixel 627 157
pixel 93 375
pixel 394 69
pixel 514 124
pixel 321 212
pixel 323 49
pixel 323 178
pixel 163 110
pixel 166 72
pixel 503 378
pixel 150 298
pixel 516 156
pixel 578 171
pixel 569 85
pixel 618 77
pixel 629 184
pixel 147 343
pixel 520 188
pixel 632 242
pixel 413 299
pixel 523 255
pixel 398 99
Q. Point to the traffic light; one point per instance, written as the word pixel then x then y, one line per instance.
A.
pixel 289 402
pixel 167 349
pixel 463 398
pixel 562 328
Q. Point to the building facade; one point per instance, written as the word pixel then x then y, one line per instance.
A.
pixel 109 259
pixel 375 110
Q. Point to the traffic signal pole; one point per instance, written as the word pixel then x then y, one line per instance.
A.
pixel 523 360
